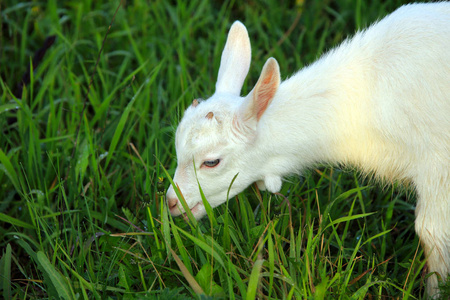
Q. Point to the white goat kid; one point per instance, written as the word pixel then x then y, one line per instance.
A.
pixel 380 101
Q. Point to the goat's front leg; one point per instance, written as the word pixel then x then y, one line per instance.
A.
pixel 433 227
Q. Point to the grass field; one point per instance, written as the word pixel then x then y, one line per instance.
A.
pixel 84 145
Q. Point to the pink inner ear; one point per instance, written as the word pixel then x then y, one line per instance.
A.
pixel 265 95
pixel 265 89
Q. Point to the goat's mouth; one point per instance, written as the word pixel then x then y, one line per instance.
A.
pixel 194 211
pixel 177 211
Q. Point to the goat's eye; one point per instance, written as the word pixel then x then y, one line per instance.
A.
pixel 211 163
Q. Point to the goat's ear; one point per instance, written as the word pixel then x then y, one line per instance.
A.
pixel 262 94
pixel 235 61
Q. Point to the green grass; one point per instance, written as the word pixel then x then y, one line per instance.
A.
pixel 82 213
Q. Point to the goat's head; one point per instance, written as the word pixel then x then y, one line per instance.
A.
pixel 215 139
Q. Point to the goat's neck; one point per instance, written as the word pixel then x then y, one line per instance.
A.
pixel 316 116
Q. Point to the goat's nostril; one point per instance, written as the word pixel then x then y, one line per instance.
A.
pixel 172 202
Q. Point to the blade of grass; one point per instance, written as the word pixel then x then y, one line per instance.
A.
pixel 190 279
pixel 253 281
pixel 5 267
pixel 14 221
pixel 61 286
pixel 8 168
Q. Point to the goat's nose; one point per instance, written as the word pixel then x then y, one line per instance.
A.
pixel 172 202
pixel 172 199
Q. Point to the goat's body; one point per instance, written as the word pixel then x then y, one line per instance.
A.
pixel 380 102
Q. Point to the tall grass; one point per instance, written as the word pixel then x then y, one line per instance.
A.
pixel 85 147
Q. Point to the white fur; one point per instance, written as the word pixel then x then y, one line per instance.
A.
pixel 380 101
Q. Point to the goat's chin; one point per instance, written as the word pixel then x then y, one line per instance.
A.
pixel 198 211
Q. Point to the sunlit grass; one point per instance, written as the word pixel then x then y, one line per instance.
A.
pixel 81 210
